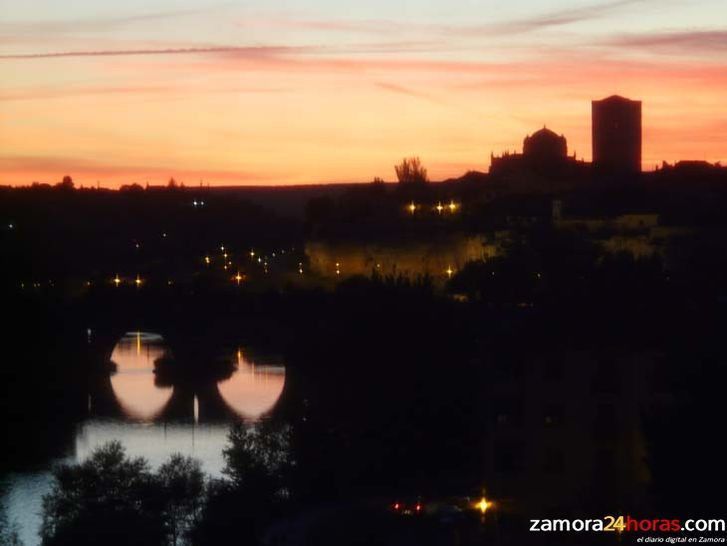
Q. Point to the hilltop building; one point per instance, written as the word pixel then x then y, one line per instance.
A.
pixel 693 168
pixel 545 153
pixel 616 135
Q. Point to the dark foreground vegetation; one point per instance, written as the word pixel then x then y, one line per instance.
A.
pixel 113 499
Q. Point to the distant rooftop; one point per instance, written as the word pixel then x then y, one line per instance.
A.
pixel 616 98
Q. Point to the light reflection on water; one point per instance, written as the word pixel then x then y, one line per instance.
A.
pixel 251 392
pixel 133 381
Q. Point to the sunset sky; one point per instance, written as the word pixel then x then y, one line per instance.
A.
pixel 294 91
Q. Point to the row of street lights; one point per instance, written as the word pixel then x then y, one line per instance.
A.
pixel 452 207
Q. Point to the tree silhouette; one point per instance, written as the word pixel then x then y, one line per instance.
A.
pixel 113 499
pixel 183 486
pixel 258 469
pixel 101 500
pixel 66 183
pixel 411 171
pixel 259 460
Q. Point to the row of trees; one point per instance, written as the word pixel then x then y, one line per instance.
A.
pixel 112 498
pixel 409 171
pixel 67 184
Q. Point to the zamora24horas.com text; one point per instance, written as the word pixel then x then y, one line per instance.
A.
pixel 628 524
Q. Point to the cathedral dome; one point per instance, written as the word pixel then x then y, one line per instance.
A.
pixel 545 145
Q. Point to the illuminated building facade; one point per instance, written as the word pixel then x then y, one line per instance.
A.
pixel 438 259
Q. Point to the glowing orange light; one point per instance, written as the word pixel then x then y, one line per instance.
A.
pixel 238 278
pixel 439 207
pixel 117 280
pixel 138 281
pixel 412 207
pixel 207 260
pixel 449 272
pixel 452 206
pixel 483 505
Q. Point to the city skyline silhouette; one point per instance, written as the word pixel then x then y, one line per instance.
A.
pixel 281 93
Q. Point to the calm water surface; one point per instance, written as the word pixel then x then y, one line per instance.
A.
pixel 141 414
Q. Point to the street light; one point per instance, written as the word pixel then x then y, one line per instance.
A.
pixel 482 505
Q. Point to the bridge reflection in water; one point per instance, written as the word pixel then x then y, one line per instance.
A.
pixel 159 396
pixel 133 380
pixel 157 405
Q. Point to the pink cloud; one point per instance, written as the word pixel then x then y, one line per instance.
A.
pixel 250 51
pixel 692 42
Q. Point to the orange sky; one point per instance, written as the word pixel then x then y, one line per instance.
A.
pixel 287 93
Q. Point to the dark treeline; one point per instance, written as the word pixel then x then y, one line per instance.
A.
pixel 61 233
